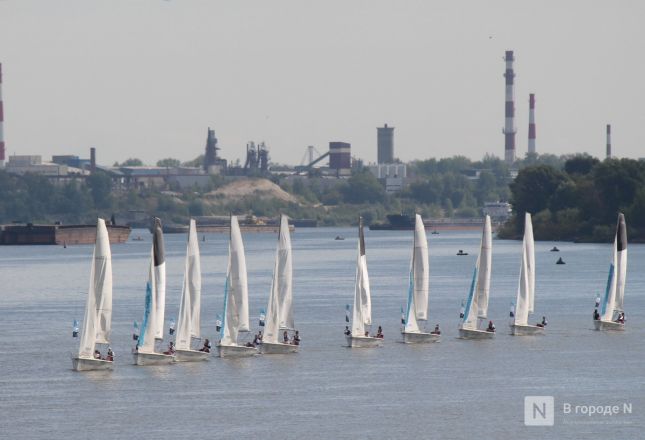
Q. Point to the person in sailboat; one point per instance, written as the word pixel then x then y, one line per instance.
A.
pixel 621 318
pixel 296 338
pixel 260 336
pixel 436 331
pixel 598 301
pixel 543 323
pixel 110 355
pixel 379 332
pixel 491 327
pixel 348 332
pixel 171 349
pixel 596 315
pixel 97 354
pixel 207 346
pixel 256 340
pixel 285 337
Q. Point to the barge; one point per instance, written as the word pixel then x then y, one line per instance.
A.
pixel 29 233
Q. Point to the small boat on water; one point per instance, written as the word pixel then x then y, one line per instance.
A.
pixel 97 322
pixel 560 261
pixel 236 299
pixel 339 237
pixel 612 311
pixel 555 249
pixel 152 325
pixel 473 324
pixel 526 286
pixel 418 289
pixel 279 314
pixel 189 319
pixel 461 252
pixel 362 310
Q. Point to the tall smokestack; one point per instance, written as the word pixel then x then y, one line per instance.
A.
pixel 532 123
pixel 608 141
pixel 92 159
pixel 1 123
pixel 509 110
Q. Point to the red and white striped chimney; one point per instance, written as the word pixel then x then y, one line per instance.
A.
pixel 509 110
pixel 1 123
pixel 608 141
pixel 532 123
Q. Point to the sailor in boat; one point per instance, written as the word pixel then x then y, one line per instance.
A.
pixel 596 315
pixel 260 337
pixel 97 354
pixel 621 318
pixel 110 355
pixel 171 348
pixel 491 327
pixel 285 337
pixel 598 301
pixel 379 332
pixel 543 323
pixel 296 338
pixel 257 340
pixel 436 331
pixel 207 346
pixel 348 332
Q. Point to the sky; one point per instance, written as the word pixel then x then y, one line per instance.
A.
pixel 146 78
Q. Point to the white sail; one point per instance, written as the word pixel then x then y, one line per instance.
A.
pixel 477 303
pixel 420 270
pixel 97 322
pixel 362 311
pixel 153 317
pixel 526 285
pixel 279 309
pixel 188 322
pixel 236 308
pixel 615 292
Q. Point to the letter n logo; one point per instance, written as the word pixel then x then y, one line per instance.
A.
pixel 538 410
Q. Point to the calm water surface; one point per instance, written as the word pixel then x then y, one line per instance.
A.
pixel 454 389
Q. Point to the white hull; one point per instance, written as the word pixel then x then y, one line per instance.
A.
pixel 465 333
pixel 87 364
pixel 278 348
pixel 526 330
pixel 191 355
pixel 236 351
pixel 143 359
pixel 608 325
pixel 420 338
pixel 363 341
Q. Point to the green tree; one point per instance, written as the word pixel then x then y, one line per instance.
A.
pixel 100 186
pixel 363 187
pixel 169 162
pixel 132 162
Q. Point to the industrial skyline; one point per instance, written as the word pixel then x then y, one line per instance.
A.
pixel 148 87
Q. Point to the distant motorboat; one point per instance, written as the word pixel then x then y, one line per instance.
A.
pixel 339 237
pixel 560 261
pixel 555 249
pixel 435 233
pixel 137 238
pixel 462 252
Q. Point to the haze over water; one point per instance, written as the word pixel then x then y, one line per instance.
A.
pixel 454 389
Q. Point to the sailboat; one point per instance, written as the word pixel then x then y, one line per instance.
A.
pixel 476 307
pixel 362 310
pixel 188 321
pixel 153 315
pixel 97 322
pixel 612 309
pixel 236 299
pixel 417 308
pixel 526 286
pixel 279 315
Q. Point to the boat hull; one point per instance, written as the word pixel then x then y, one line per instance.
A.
pixel 278 348
pixel 466 333
pixel 608 325
pixel 143 359
pixel 363 341
pixel 88 364
pixel 526 330
pixel 420 338
pixel 236 351
pixel 191 355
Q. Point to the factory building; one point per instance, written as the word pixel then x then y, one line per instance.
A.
pixel 385 144
pixel 340 160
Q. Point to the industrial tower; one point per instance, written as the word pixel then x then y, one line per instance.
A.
pixel 509 110
pixel 532 123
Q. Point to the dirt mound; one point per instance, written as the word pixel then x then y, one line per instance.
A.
pixel 252 187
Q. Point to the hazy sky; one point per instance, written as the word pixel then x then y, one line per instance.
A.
pixel 145 78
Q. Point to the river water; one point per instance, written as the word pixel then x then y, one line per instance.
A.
pixel 455 389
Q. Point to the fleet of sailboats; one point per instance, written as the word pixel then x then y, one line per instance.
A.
pixel 418 289
pixel 279 314
pixel 279 319
pixel 612 312
pixel 359 336
pixel 152 326
pixel 189 320
pixel 473 323
pixel 236 299
pixel 526 286
pixel 97 322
